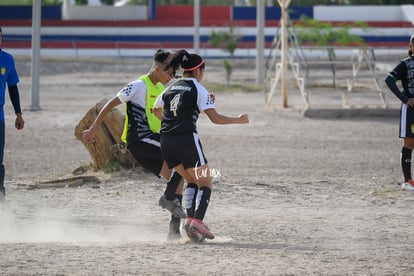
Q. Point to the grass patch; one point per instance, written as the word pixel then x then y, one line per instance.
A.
pixel 112 166
pixel 233 87
pixel 385 191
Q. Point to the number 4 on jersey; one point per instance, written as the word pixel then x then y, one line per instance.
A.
pixel 174 104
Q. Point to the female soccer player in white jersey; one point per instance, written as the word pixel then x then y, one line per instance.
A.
pixel 141 133
pixel 179 107
pixel 404 72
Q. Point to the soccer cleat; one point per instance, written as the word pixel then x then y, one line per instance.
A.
pixel 186 225
pixel 197 237
pixel 409 185
pixel 173 206
pixel 174 231
pixel 200 227
pixel 193 235
pixel 187 222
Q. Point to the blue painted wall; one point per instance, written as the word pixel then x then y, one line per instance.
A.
pixel 271 13
pixel 25 12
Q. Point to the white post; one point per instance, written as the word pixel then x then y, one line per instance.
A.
pixel 284 4
pixel 196 26
pixel 65 7
pixel 36 22
pixel 260 23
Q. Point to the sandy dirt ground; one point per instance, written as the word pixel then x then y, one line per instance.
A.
pixel 295 195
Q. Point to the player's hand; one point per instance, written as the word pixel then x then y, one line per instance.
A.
pixel 410 102
pixel 87 135
pixel 244 118
pixel 19 122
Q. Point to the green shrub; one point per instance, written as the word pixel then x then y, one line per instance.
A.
pixel 314 32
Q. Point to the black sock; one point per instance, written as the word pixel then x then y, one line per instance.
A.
pixel 180 198
pixel 190 194
pixel 174 219
pixel 204 199
pixel 172 186
pixel 406 163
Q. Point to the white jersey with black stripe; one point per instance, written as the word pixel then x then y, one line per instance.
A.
pixel 134 95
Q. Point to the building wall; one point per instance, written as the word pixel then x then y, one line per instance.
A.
pixel 172 26
pixel 25 12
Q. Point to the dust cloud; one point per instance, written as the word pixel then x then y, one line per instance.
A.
pixel 57 226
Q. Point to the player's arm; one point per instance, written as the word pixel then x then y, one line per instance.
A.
pixel 220 119
pixel 391 81
pixel 158 107
pixel 158 112
pixel 15 99
pixel 392 85
pixel 88 134
pixel 205 103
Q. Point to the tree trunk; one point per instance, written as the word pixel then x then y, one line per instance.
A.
pixel 106 145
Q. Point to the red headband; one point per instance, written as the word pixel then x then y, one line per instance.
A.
pixel 195 67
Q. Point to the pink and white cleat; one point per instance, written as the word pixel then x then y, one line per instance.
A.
pixel 200 227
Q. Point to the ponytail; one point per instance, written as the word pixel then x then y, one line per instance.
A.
pixel 188 62
pixel 175 59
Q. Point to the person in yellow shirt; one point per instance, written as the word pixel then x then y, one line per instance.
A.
pixel 141 133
